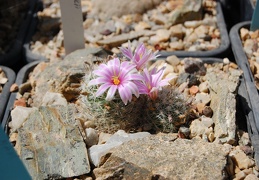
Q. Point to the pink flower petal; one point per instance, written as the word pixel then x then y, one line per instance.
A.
pixel 158 76
pixel 125 94
pixel 135 77
pixel 103 70
pixel 127 51
pixel 133 88
pixel 102 89
pixel 141 87
pixel 98 80
pixel 111 92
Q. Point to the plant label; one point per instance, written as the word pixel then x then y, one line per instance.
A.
pixel 72 24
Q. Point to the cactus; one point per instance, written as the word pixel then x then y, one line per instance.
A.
pixel 165 114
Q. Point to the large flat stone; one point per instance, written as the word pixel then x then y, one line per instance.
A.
pixel 165 157
pixel 223 86
pixel 63 76
pixel 50 144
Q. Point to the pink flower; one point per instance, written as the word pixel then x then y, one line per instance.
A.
pixel 141 55
pixel 117 76
pixel 152 82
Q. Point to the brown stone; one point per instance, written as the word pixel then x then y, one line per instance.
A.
pixel 164 157
pixel 200 107
pixel 20 102
pixel 194 90
pixel 14 88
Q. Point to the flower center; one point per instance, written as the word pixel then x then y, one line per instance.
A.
pixel 115 80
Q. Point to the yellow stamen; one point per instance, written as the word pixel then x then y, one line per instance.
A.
pixel 115 80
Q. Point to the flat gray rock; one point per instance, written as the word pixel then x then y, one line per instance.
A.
pixel 189 11
pixel 223 103
pixel 50 144
pixel 165 157
pixel 106 9
pixel 63 76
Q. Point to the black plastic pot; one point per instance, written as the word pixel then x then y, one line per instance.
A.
pixel 221 52
pixel 244 114
pixel 252 92
pixel 28 54
pixel 4 95
pixel 14 55
pixel 21 78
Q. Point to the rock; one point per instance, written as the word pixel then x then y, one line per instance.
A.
pixel 51 98
pixel 211 137
pixel 105 10
pixel 193 80
pixel 192 24
pixel 251 177
pixel 194 90
pixel 19 115
pixel 201 31
pixel 208 122
pixel 200 107
pixel 203 87
pixel 173 77
pixel 176 45
pixel 226 61
pixel 193 37
pixel 198 128
pixel 25 87
pixel 189 11
pixel 247 150
pixel 241 160
pixel 239 176
pixel 3 78
pixel 192 65
pixel 140 158
pixel 172 5
pixel 244 33
pixel 13 137
pixel 169 69
pixel 63 76
pixel 248 47
pixel 223 87
pixel 183 78
pixel 142 25
pixel 248 171
pixel 177 31
pixel 203 98
pixel 20 102
pixel 207 111
pixel 182 87
pixel 162 35
pixel 184 132
pixel 103 138
pixel 50 144
pixel 91 137
pixel 159 19
pixel 89 124
pixel 173 60
pixel 97 152
pixel 14 88
pixel 244 138
pixel 122 38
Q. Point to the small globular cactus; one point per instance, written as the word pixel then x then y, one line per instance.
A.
pixel 126 95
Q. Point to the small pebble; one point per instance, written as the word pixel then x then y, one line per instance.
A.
pixel 14 88
pixel 207 111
